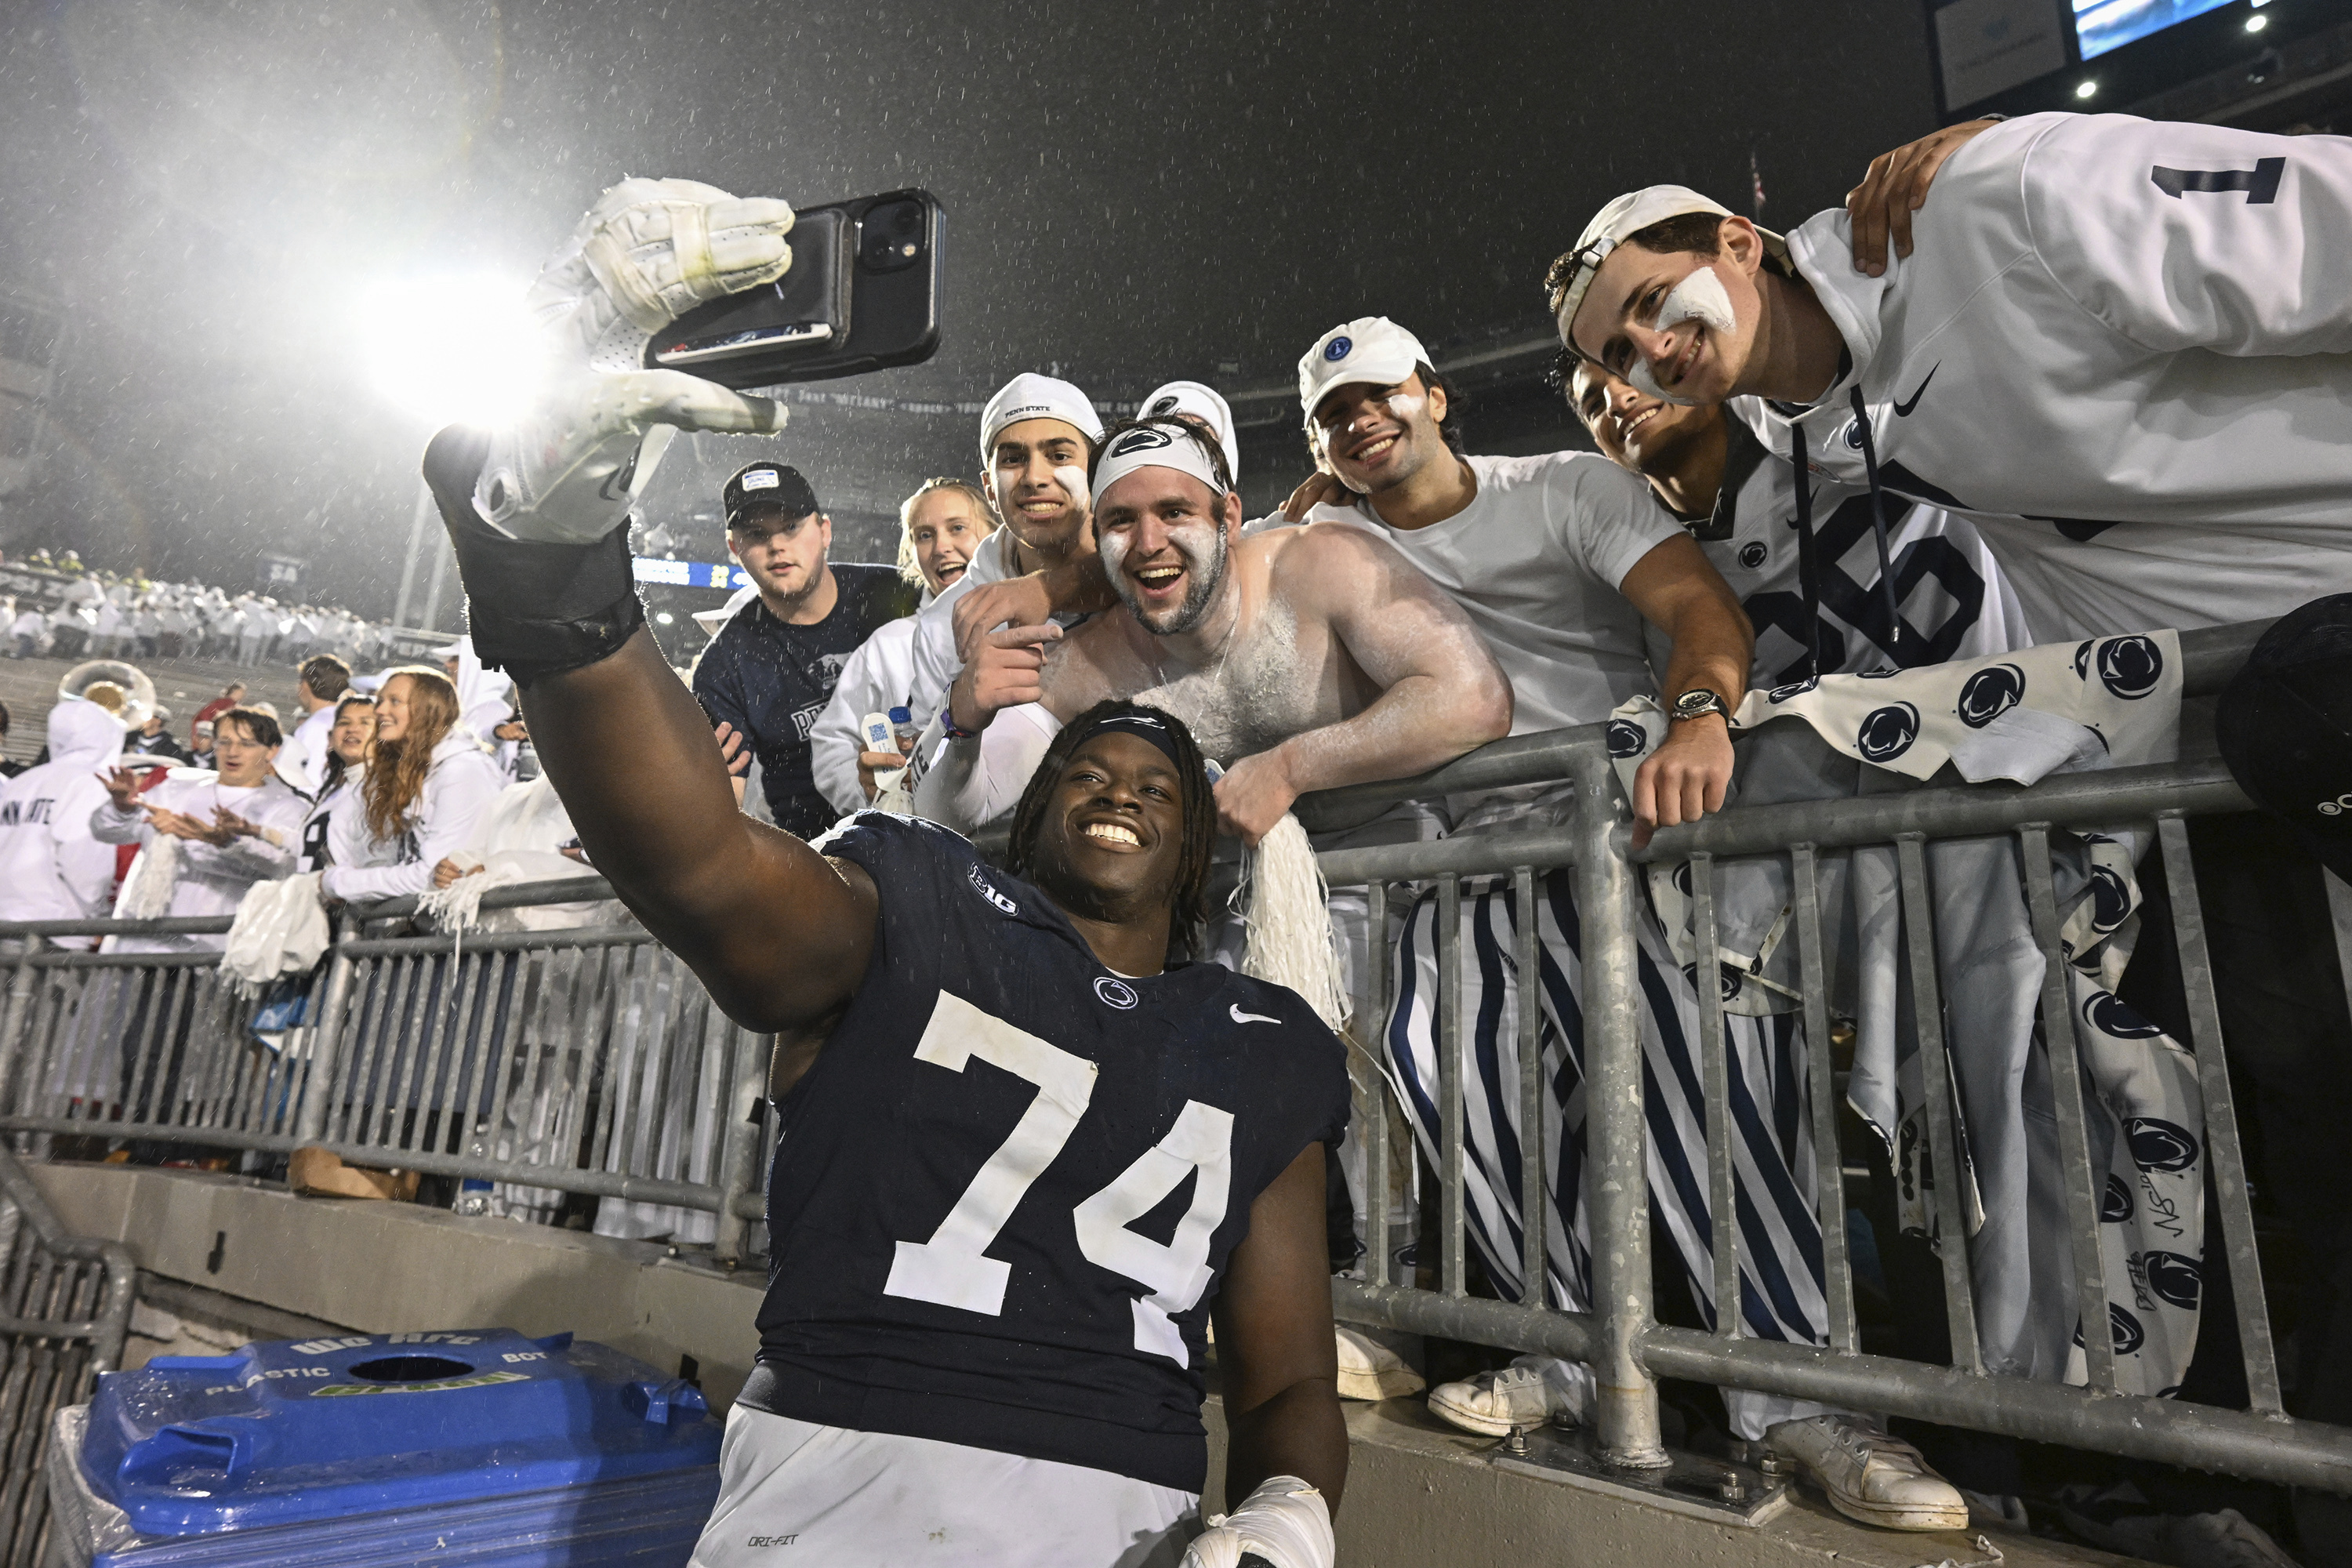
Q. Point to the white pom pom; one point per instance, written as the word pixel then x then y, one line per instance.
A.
pixel 1284 905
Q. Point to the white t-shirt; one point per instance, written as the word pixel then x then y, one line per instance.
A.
pixel 302 762
pixel 2116 343
pixel 1535 560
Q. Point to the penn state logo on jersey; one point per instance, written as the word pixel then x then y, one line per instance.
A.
pixel 1793 689
pixel 1143 439
pixel 1887 733
pixel 1990 693
pixel 1754 554
pixel 1113 992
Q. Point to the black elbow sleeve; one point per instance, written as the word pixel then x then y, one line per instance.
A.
pixel 533 609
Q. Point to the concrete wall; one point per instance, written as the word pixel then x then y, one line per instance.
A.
pixel 1419 1493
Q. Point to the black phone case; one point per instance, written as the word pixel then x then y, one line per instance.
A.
pixel 893 303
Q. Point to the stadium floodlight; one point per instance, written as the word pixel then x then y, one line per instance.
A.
pixel 2085 88
pixel 452 347
pixel 2257 22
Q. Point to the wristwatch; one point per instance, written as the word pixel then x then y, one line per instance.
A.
pixel 1698 702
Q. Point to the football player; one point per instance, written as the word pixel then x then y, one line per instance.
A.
pixel 1025 1157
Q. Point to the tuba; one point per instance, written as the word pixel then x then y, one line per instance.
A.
pixel 138 699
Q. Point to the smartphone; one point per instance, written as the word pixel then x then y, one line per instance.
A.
pixel 808 308
pixel 870 299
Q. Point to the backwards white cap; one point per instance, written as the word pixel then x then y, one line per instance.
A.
pixel 1370 349
pixel 1167 442
pixel 1630 213
pixel 1032 397
pixel 1201 403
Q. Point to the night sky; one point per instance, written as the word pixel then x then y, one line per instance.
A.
pixel 212 192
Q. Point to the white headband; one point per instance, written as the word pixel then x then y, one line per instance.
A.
pixel 1162 443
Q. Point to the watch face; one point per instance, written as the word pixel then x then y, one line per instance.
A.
pixel 1691 704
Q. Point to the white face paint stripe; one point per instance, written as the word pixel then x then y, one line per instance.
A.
pixel 1700 298
pixel 1073 481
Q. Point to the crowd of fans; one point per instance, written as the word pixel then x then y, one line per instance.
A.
pixel 1409 602
pixel 102 616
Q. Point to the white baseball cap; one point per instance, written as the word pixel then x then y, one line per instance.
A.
pixel 1627 216
pixel 1202 403
pixel 1032 397
pixel 1370 349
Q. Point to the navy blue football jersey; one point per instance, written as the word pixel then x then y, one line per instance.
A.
pixel 1005 1191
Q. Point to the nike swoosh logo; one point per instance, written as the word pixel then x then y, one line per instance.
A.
pixel 1902 409
pixel 1242 1017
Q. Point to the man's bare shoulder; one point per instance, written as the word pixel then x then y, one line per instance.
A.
pixel 1330 562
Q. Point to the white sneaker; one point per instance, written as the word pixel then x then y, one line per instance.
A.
pixel 1870 1475
pixel 1493 1402
pixel 1369 1370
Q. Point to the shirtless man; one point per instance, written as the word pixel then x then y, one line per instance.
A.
pixel 1306 659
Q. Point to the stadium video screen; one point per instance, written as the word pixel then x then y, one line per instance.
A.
pixel 2103 24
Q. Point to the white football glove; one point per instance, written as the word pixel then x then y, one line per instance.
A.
pixel 647 253
pixel 1285 1521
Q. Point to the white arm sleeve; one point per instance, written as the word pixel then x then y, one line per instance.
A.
pixel 874 681
pixel 2185 235
pixel 975 781
pixel 933 662
pixel 109 826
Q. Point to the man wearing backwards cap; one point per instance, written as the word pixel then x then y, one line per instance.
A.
pixel 966 1338
pixel 2106 345
pixel 772 669
pixel 1035 438
pixel 1305 658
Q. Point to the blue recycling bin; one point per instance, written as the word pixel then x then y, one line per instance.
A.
pixel 479 1446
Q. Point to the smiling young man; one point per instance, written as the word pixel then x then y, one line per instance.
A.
pixel 2106 345
pixel 1036 438
pixel 1951 600
pixel 1303 659
pixel 770 670
pixel 985 1083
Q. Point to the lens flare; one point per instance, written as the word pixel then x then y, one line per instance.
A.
pixel 451 347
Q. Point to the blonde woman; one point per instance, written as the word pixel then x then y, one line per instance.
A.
pixel 428 782
pixel 940 528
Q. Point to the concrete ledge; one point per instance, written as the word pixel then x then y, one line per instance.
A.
pixel 1419 1493
pixel 387 1268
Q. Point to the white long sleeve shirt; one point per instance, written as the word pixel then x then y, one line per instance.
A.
pixel 879 677
pixel 51 867
pixel 2125 349
pixel 303 760
pixel 933 654
pixel 212 878
pixel 458 789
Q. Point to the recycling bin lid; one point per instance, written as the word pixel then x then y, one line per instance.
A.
pixel 285 1431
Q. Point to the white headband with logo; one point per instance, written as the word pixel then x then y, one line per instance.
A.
pixel 1162 443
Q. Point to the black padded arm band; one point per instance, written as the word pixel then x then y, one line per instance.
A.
pixel 533 609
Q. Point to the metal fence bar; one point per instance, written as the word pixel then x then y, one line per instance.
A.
pixel 1371 1034
pixel 1942 1108
pixel 1829 1166
pixel 1626 1415
pixel 1533 1141
pixel 2221 1143
pixel 1450 1074
pixel 1714 1067
pixel 2061 1042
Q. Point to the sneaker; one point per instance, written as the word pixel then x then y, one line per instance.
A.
pixel 1369 1370
pixel 1871 1475
pixel 1492 1402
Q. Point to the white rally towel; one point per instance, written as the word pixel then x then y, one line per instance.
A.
pixel 2021 715
pixel 1285 906
pixel 280 928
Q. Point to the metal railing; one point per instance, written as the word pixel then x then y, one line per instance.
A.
pixel 65 1306
pixel 588 1060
